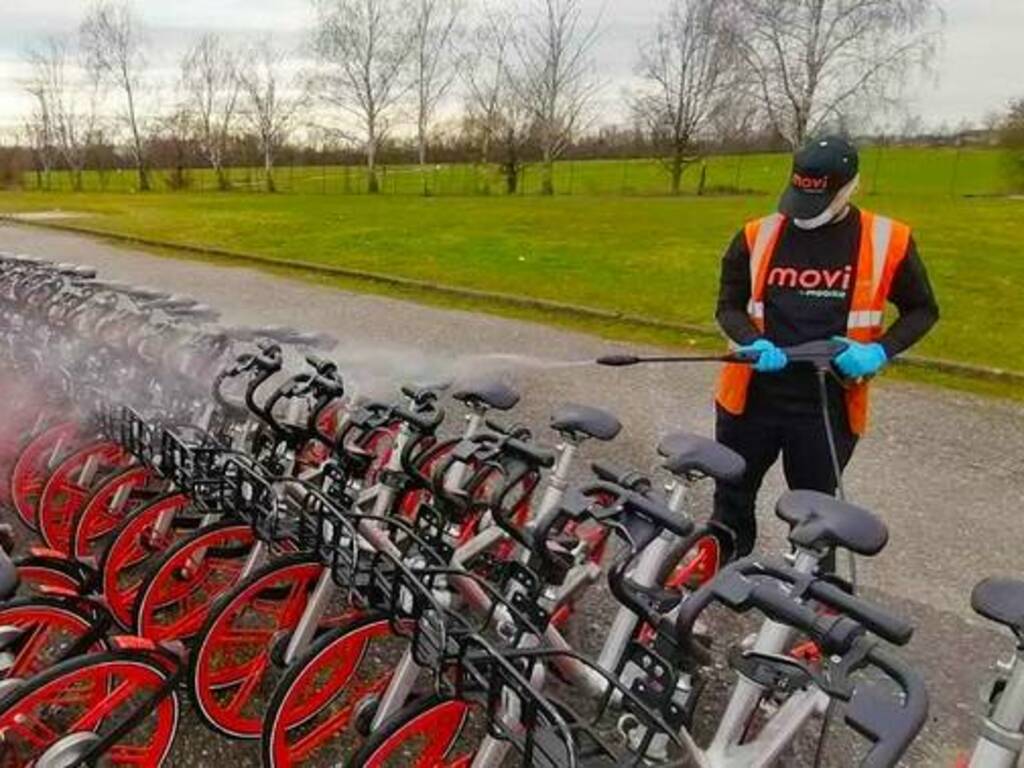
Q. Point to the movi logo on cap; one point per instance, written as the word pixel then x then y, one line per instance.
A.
pixel 810 183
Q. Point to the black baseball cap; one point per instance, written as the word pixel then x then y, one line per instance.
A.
pixel 821 168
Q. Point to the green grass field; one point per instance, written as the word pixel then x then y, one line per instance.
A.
pixel 884 171
pixel 656 257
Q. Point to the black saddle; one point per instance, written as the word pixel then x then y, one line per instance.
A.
pixel 143 294
pixel 819 521
pixel 8 576
pixel 175 301
pixel 584 421
pixel 690 454
pixel 1001 601
pixel 491 393
pixel 197 312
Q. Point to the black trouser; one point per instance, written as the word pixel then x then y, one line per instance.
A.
pixel 759 436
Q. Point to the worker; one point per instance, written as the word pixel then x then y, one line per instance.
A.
pixel 819 269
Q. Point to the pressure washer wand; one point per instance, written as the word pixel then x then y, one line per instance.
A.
pixel 625 361
pixel 820 354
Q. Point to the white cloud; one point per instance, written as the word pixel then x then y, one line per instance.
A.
pixel 978 69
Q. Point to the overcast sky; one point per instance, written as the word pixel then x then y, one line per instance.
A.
pixel 979 68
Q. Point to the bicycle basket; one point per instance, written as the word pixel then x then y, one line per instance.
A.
pixel 247 493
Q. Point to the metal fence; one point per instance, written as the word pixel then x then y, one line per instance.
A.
pixel 889 171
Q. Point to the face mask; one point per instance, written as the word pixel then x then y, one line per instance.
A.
pixel 836 211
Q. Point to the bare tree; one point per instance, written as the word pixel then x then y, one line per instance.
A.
pixel 210 82
pixel 38 131
pixel 495 109
pixel 363 48
pixel 1011 139
pixel 68 95
pixel 485 68
pixel 114 47
pixel 556 78
pixel 687 74
pixel 270 110
pixel 810 60
pixel 176 133
pixel 434 31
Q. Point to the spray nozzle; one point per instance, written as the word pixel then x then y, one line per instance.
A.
pixel 618 361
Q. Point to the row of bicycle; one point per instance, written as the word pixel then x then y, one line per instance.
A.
pixel 348 583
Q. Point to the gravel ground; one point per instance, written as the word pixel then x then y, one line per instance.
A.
pixel 943 469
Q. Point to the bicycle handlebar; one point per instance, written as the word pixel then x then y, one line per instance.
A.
pixel 891 728
pixel 889 725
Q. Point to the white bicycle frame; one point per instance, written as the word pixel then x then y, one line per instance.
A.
pixel 1002 732
pixel 727 748
pixel 650 565
pixel 382 498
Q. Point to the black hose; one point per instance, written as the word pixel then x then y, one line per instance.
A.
pixel 837 469
pixel 819 751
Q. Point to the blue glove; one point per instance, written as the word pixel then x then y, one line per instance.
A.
pixel 770 359
pixel 859 361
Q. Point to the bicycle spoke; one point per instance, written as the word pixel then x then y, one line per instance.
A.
pixel 251 682
pixel 91 719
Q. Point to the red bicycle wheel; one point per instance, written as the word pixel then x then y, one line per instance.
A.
pixel 231 668
pixel 30 471
pixel 176 596
pixel 49 628
pixel 87 696
pixel 17 429
pixel 316 707
pixel 425 734
pixel 40 574
pixel 693 568
pixel 64 494
pixel 111 503
pixel 135 545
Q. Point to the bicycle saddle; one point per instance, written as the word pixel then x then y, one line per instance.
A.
pixel 1001 601
pixel 143 294
pixel 818 521
pixel 8 576
pixel 174 301
pixel 689 454
pixel 487 392
pixel 584 421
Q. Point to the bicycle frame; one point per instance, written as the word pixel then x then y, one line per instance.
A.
pixel 646 573
pixel 383 497
pixel 1002 741
pixel 726 749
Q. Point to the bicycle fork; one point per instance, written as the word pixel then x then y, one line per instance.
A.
pixel 325 589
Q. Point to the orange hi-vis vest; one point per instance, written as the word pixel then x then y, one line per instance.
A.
pixel 883 246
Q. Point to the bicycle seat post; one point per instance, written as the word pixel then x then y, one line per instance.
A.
pixel 1001 741
pixel 558 481
pixel 475 421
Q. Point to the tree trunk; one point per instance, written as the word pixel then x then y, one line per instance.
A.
pixel 268 169
pixel 485 149
pixel 372 185
pixel 140 168
pixel 511 180
pixel 421 143
pixel 547 182
pixel 676 170
pixel 218 168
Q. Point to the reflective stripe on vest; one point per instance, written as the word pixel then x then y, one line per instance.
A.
pixel 762 238
pixel 883 247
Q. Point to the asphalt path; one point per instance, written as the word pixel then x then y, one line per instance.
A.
pixel 944 470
